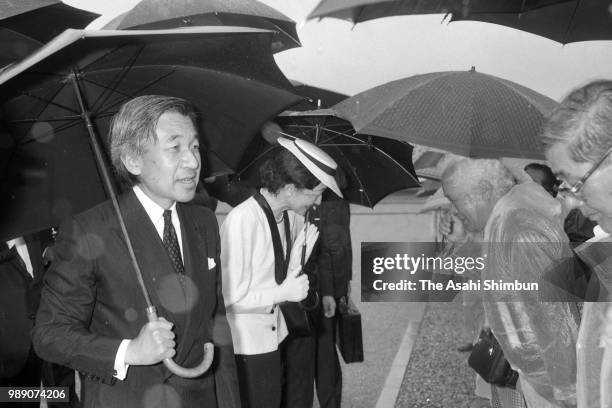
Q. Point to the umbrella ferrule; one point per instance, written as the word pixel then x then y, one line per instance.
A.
pixel 151 313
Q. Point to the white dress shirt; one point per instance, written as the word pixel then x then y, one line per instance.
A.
pixel 22 249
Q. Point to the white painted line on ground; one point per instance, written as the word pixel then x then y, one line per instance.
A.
pixel 393 383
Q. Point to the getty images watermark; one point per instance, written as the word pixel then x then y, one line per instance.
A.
pixel 427 271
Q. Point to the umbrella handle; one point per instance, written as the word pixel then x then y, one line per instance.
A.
pixel 209 352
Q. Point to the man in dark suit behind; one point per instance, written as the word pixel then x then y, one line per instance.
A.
pixel 335 266
pixel 92 312
pixel 20 282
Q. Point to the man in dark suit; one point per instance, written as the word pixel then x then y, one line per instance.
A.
pixel 21 271
pixel 21 275
pixel 335 266
pixel 92 312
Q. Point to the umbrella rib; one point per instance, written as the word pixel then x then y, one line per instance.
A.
pixel 34 120
pixel 285 33
pixel 49 101
pixel 263 153
pixel 52 131
pixel 392 159
pixel 383 153
pixel 149 84
pixel 245 168
pixel 569 26
pixel 361 186
pixel 115 83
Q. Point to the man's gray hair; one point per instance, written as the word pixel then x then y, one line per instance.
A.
pixel 134 127
pixel 481 179
pixel 584 119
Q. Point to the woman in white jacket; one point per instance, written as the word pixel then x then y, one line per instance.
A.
pixel 292 182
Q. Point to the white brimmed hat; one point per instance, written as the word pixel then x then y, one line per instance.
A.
pixel 319 163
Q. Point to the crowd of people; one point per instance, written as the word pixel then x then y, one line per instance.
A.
pixel 556 339
pixel 233 286
pixel 224 287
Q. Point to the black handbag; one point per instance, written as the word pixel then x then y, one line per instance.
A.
pixel 349 335
pixel 299 321
pixel 487 359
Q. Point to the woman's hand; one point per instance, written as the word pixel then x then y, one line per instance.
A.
pixel 293 289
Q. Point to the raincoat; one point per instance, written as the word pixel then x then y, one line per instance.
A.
pixel 526 243
pixel 594 349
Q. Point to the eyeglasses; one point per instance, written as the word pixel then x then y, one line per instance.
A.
pixel 575 189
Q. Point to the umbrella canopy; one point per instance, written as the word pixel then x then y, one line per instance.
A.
pixel 561 21
pixel 163 14
pixel 49 172
pixel 26 25
pixel 564 21
pixel 467 113
pixel 374 166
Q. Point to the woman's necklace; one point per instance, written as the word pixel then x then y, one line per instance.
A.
pixel 279 219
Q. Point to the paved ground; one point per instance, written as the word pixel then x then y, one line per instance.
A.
pixel 437 375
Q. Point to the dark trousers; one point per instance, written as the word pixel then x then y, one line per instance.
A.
pixel 259 378
pixel 282 378
pixel 299 371
pixel 30 376
pixel 52 375
pixel 328 374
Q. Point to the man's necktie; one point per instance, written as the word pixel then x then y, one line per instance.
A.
pixel 171 243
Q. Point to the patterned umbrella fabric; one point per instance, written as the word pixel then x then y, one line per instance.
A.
pixel 463 112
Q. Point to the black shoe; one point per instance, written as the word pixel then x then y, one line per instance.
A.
pixel 465 348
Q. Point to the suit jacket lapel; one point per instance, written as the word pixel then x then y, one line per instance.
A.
pixel 195 258
pixel 155 265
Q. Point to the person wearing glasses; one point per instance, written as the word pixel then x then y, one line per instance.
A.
pixel 578 146
pixel 523 240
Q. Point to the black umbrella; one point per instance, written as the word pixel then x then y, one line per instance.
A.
pixel 228 73
pixel 374 166
pixel 26 25
pixel 564 21
pixel 70 88
pixel 163 14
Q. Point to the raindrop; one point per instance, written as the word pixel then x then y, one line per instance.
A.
pixel 161 396
pixel 175 296
pixel 42 132
pixel 131 314
pixel 90 246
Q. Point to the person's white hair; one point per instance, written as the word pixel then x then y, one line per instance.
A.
pixel 584 119
pixel 480 179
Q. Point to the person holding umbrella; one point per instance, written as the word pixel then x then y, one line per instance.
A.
pixel 257 235
pixel 91 316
